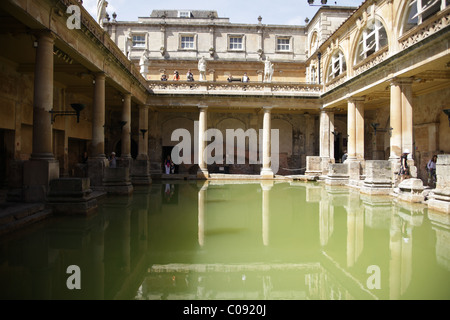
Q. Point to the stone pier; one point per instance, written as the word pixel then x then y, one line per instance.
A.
pixel 117 181
pixel 378 178
pixel 439 199
pixel 337 174
pixel 70 196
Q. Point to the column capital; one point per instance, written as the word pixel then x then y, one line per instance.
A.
pixel 397 81
pixel 99 76
pixel 330 110
pixel 45 34
pixel 202 107
pixel 267 108
pixel 356 99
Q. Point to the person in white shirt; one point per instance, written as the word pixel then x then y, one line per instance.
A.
pixel 245 78
pixel 431 168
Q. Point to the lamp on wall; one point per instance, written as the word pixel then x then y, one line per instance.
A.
pixel 447 112
pixel 143 133
pixel 77 107
pixel 375 126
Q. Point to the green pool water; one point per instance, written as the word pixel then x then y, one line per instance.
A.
pixel 233 241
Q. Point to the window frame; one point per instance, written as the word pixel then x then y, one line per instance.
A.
pixel 184 14
pixel 289 44
pixel 181 42
pixel 143 42
pixel 337 65
pixel 236 36
pixel 418 18
pixel 372 47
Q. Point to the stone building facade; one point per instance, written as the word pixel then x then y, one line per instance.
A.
pixel 372 80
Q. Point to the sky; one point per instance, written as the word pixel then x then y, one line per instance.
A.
pixel 285 12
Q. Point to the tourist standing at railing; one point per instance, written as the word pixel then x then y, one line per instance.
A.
pixel 164 77
pixel 176 76
pixel 431 169
pixel 189 76
pixel 245 78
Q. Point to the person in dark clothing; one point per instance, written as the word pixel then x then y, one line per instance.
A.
pixel 404 168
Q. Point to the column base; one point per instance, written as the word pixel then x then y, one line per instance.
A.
pixel 37 175
pixel 117 181
pixel 202 174
pixel 140 172
pixel 96 168
pixel 267 173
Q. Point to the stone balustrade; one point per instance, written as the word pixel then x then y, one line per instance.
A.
pixel 235 88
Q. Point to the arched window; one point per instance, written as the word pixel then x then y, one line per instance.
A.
pixel 313 75
pixel 373 38
pixel 314 43
pixel 337 66
pixel 420 10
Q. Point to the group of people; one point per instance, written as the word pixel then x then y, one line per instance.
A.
pixel 405 173
pixel 190 77
pixel 245 78
pixel 176 76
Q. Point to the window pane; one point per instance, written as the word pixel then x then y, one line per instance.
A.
pixel 235 43
pixel 283 44
pixel 429 8
pixel 187 42
pixel 138 41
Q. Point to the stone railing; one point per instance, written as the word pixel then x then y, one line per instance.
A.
pixel 371 61
pixel 336 82
pixel 235 88
pixel 426 29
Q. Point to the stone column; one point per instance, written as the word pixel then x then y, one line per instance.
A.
pixel 143 131
pixel 202 127
pixel 359 147
pixel 154 144
pixel 266 186
pixel 266 171
pixel 326 152
pixel 141 166
pixel 42 167
pixel 43 98
pixel 97 160
pixel 126 118
pixel 407 116
pixel 351 130
pixel 396 121
pixel 98 118
pixel 201 213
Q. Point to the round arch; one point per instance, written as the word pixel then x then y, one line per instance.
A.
pixel 354 46
pixel 170 125
pixel 328 61
pixel 313 42
pixel 399 19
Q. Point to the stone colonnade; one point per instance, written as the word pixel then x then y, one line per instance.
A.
pixel 266 170
pixel 400 130
pixel 42 166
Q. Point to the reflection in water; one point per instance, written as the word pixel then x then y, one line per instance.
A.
pixel 253 240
